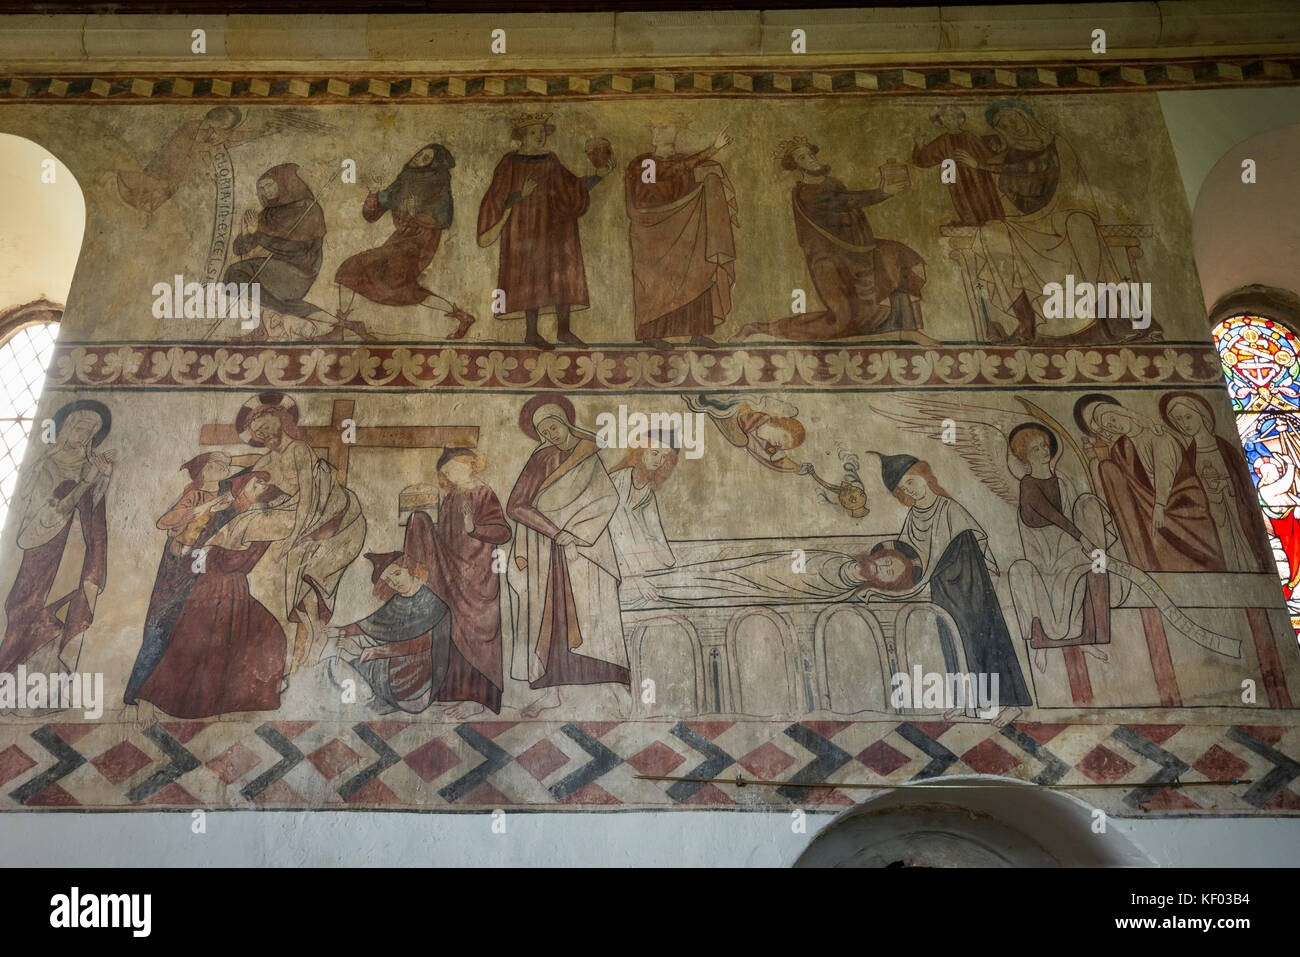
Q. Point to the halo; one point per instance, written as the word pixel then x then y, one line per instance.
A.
pixel 90 405
pixel 1082 404
pixel 262 402
pixel 1200 400
pixel 1053 445
pixel 904 548
pixel 532 405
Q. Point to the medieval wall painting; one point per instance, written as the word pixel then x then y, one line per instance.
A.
pixel 575 443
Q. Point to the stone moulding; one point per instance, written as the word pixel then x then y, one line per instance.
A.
pixel 906 79
pixel 504 368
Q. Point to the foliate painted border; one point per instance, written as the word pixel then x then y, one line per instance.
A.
pixel 539 765
pixel 878 79
pixel 505 368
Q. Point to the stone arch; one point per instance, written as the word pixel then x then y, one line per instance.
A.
pixel 43 224
pixel 679 688
pixel 761 686
pixel 849 694
pixel 1243 242
pixel 1016 824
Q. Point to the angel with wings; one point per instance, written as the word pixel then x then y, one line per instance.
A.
pixel 221 128
pixel 1063 588
pixel 764 426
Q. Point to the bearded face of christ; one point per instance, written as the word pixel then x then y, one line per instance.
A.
pixel 267 430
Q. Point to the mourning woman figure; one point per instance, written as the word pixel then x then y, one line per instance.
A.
pixel 188 523
pixel 421 205
pixel 63 534
pixel 1221 471
pixel 226 650
pixel 954 554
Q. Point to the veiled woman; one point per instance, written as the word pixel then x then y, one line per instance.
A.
pixel 954 553
pixel 226 651
pixel 421 205
pixel 62 529
pixel 202 507
pixel 1220 469
pixel 563 574
pixel 1160 509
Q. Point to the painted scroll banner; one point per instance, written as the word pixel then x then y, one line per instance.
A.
pixel 223 213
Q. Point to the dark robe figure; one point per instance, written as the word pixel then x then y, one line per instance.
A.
pixel 66 486
pixel 533 204
pixel 226 651
pixel 291 230
pixel 974 192
pixel 1144 467
pixel 189 522
pixel 420 201
pixel 683 250
pixel 868 285
pixel 953 549
pixel 460 573
pixel 403 646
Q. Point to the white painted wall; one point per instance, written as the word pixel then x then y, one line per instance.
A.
pixel 619 839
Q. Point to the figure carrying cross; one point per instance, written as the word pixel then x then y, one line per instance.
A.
pixel 316 525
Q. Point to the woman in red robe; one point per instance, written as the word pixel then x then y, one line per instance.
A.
pixel 458 554
pixel 227 650
pixel 1160 510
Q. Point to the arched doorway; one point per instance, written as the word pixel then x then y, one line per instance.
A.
pixel 975 821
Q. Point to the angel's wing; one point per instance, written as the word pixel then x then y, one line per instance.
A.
pixel 722 405
pixel 292 120
pixel 980 437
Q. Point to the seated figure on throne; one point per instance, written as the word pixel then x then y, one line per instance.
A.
pixel 1051 229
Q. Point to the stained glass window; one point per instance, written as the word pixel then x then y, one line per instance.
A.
pixel 1261 364
pixel 24 356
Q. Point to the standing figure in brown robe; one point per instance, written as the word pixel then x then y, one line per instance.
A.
pixel 563 573
pixel 680 231
pixel 457 551
pixel 973 191
pixel 869 286
pixel 63 533
pixel 421 203
pixel 1220 468
pixel 226 650
pixel 533 205
pixel 1159 508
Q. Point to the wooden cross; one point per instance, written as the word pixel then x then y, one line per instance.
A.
pixel 328 439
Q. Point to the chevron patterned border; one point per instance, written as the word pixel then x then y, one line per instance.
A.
pixel 1109 75
pixel 538 765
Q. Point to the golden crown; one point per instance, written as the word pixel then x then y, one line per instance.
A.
pixel 789 146
pixel 520 120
